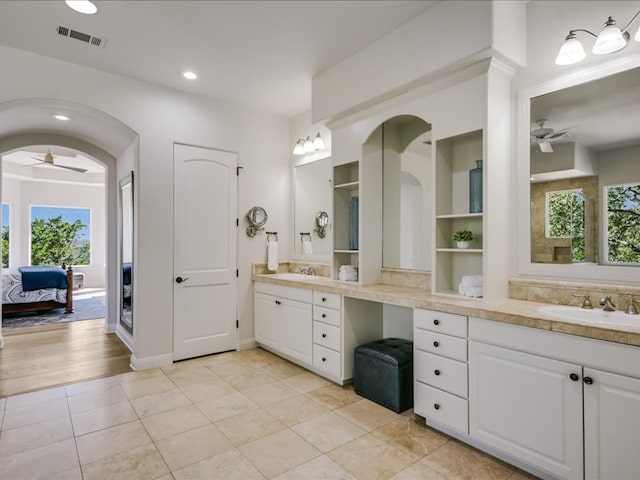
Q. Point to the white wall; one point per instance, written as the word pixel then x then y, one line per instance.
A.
pixel 23 194
pixel 162 116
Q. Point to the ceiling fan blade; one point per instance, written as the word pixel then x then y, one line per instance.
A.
pixel 75 169
pixel 545 147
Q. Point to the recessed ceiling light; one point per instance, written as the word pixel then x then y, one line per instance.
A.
pixel 82 6
pixel 62 117
pixel 189 75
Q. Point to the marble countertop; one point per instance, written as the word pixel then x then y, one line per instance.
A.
pixel 516 312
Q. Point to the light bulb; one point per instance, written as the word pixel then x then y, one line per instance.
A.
pixel 190 75
pixel 610 39
pixel 637 36
pixel 82 6
pixel 299 148
pixel 571 51
pixel 318 143
pixel 308 145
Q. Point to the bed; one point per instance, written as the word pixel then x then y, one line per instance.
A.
pixel 37 289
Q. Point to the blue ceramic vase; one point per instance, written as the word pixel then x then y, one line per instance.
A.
pixel 475 188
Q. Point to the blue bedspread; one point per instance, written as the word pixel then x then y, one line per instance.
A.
pixel 36 278
pixel 126 273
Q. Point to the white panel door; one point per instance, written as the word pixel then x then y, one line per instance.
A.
pixel 527 406
pixel 205 212
pixel 611 426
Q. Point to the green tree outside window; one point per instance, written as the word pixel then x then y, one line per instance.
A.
pixel 565 219
pixel 623 223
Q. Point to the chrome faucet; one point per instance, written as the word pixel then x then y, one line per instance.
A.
pixel 632 309
pixel 586 300
pixel 607 305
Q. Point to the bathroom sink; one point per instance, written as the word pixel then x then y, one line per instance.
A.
pixel 294 276
pixel 595 316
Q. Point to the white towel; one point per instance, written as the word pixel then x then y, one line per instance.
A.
pixel 470 291
pixel 472 280
pixel 348 273
pixel 307 247
pixel 272 256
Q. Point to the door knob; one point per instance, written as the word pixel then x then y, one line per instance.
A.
pixel 180 279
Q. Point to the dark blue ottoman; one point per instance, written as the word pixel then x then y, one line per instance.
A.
pixel 383 372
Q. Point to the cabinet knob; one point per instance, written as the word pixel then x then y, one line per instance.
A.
pixel 436 344
pixel 587 380
pixel 437 372
pixel 324 299
pixel 574 377
pixel 324 359
pixel 324 335
pixel 436 322
pixel 324 315
pixel 436 406
pixel 278 302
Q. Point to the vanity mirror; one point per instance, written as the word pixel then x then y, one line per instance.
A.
pixel 407 211
pixel 584 173
pixel 311 202
pixel 126 249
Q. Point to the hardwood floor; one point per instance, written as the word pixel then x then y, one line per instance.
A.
pixel 39 357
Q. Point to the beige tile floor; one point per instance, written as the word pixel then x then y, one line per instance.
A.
pixel 241 415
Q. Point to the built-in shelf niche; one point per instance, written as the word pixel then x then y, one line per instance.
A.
pixel 346 185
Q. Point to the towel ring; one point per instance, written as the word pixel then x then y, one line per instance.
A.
pixel 305 234
pixel 270 234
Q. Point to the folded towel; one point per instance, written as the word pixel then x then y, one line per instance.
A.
pixel 307 247
pixel 272 256
pixel 348 269
pixel 470 291
pixel 348 276
pixel 472 280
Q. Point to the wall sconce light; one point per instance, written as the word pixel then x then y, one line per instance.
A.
pixel 307 146
pixel 610 40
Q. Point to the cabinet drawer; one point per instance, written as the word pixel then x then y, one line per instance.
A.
pixel 329 300
pixel 442 407
pixel 439 344
pixel 447 323
pixel 327 360
pixel 299 294
pixel 326 335
pixel 440 372
pixel 326 315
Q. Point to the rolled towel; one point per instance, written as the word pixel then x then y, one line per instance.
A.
pixel 471 281
pixel 272 256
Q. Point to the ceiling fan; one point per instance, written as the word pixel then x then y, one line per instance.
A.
pixel 543 136
pixel 49 160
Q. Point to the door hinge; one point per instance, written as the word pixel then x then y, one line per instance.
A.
pixel 237 324
pixel 238 171
pixel 237 272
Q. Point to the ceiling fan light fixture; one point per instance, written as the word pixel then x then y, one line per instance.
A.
pixel 82 6
pixel 610 39
pixel 62 117
pixel 571 51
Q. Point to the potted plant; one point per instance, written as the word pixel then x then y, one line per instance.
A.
pixel 462 238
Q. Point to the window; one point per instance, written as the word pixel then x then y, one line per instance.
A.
pixel 60 235
pixel 622 223
pixel 565 219
pixel 5 235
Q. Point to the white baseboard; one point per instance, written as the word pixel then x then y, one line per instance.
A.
pixel 247 344
pixel 125 336
pixel 156 361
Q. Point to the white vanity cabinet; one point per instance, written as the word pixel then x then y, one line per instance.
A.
pixel 283 321
pixel 440 368
pixel 565 405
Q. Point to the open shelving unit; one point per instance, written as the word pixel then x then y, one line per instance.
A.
pixel 346 185
pixel 455 156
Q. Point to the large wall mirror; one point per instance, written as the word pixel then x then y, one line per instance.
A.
pixel 126 271
pixel 584 166
pixel 407 210
pixel 311 207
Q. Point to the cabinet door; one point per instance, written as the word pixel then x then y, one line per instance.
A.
pixel 296 330
pixel 611 426
pixel 527 406
pixel 265 316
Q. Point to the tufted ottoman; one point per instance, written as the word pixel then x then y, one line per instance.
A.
pixel 383 372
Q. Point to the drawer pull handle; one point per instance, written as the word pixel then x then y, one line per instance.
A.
pixel 436 344
pixel 437 372
pixel 324 335
pixel 436 406
pixel 587 380
pixel 436 322
pixel 278 302
pixel 574 377
pixel 324 359
pixel 324 299
pixel 324 315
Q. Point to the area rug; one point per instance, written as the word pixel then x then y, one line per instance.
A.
pixel 83 309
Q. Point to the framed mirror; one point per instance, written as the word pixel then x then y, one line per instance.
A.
pixel 311 202
pixel 407 216
pixel 126 252
pixel 583 177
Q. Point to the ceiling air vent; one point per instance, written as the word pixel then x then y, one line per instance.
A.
pixel 83 37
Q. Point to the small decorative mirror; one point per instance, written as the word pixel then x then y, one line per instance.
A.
pixel 256 217
pixel 322 219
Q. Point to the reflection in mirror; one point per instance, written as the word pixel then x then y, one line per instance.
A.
pixel 126 246
pixel 312 197
pixel 407 209
pixel 584 172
